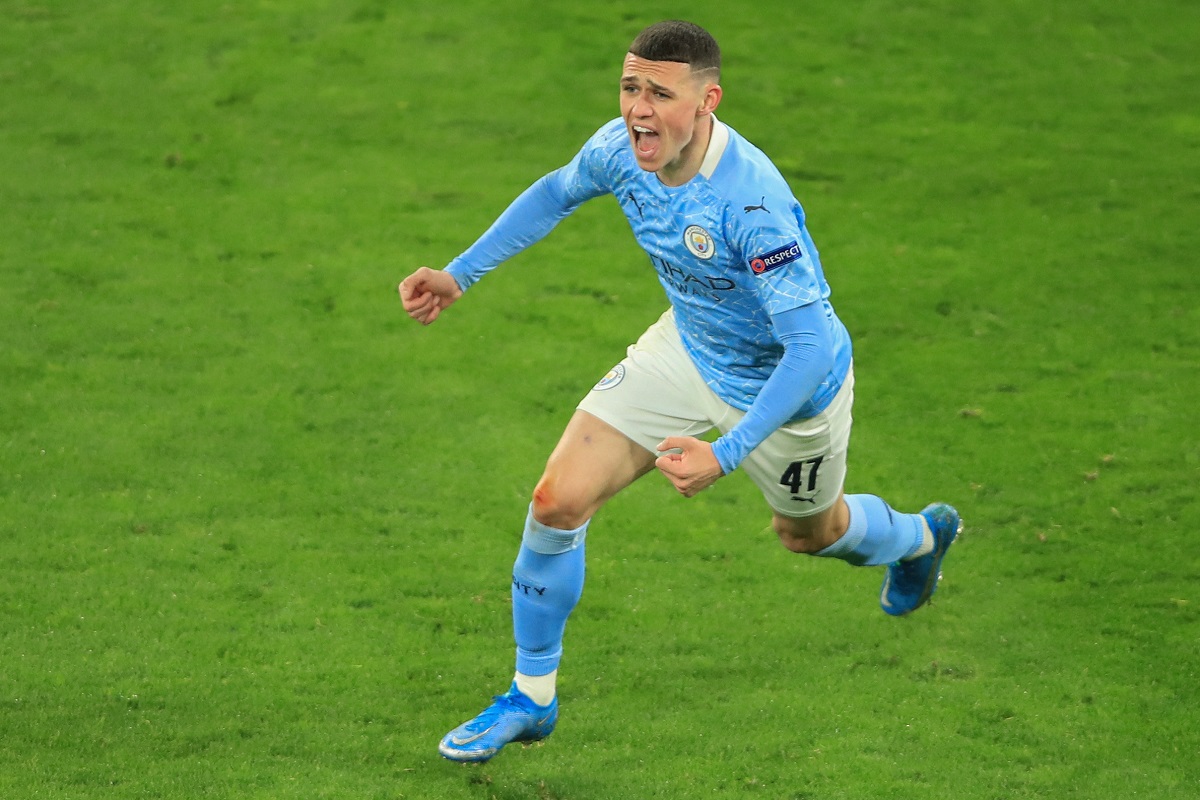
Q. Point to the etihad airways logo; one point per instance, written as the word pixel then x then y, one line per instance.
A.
pixel 686 282
pixel 776 258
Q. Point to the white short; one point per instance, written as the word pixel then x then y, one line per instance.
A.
pixel 656 392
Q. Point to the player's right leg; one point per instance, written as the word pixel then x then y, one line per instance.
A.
pixel 653 393
pixel 592 462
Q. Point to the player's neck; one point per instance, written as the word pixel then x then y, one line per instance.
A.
pixel 692 156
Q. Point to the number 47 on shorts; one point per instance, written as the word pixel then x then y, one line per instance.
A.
pixel 801 476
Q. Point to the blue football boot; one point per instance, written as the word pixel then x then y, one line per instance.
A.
pixel 908 585
pixel 512 717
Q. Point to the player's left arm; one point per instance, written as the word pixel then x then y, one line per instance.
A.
pixel 780 255
pixel 808 357
pixel 807 360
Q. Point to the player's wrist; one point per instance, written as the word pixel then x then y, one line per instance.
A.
pixel 461 274
pixel 723 451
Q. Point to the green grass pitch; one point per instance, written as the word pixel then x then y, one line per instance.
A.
pixel 256 525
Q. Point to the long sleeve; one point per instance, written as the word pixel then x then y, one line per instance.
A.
pixel 807 359
pixel 527 220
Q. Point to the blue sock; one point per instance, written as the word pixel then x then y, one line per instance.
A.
pixel 877 534
pixel 547 584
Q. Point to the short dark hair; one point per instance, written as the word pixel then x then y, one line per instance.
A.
pixel 676 40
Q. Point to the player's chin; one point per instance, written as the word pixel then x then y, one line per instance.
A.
pixel 647 161
pixel 647 164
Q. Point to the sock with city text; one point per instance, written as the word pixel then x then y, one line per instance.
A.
pixel 546 586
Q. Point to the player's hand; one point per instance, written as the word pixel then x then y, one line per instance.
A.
pixel 693 469
pixel 427 293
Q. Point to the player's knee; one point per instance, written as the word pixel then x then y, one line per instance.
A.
pixel 804 535
pixel 796 542
pixel 556 508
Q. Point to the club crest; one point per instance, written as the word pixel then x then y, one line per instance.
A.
pixel 699 242
pixel 614 376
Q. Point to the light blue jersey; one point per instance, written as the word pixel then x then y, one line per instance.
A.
pixel 730 249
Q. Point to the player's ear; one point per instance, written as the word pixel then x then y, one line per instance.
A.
pixel 711 99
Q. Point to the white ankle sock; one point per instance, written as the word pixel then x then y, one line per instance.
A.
pixel 926 545
pixel 538 688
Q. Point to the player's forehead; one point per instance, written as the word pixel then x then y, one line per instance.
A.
pixel 664 73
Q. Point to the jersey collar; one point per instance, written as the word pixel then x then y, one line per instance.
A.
pixel 716 148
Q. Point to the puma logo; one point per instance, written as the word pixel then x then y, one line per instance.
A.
pixel 760 207
pixel 633 200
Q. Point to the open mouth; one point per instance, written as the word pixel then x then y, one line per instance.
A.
pixel 645 141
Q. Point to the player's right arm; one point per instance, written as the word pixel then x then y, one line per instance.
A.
pixel 427 292
pixel 527 220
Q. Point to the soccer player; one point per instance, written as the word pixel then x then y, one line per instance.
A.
pixel 750 346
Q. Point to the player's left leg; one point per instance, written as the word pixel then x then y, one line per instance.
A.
pixel 861 530
pixel 801 470
pixel 873 533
